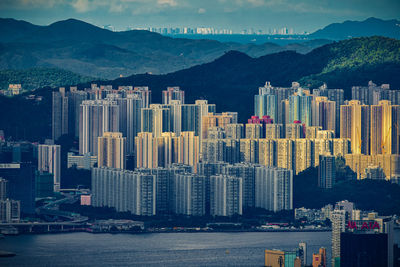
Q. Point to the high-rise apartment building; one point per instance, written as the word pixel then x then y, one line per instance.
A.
pixel 96 117
pixel 225 195
pixel 133 124
pixel 112 150
pixel 326 171
pixel 145 95
pixel 59 122
pixel 124 190
pixel 273 131
pixel 3 189
pixel 246 172
pixel 49 160
pixel 156 119
pixel 213 120
pixel 173 93
pixel 324 113
pixel 188 194
pixel 300 108
pixel 355 124
pixel 273 188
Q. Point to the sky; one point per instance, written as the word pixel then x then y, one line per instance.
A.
pixel 307 15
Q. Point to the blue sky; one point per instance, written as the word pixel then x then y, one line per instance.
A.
pixel 308 15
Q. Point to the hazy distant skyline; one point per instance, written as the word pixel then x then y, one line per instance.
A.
pixel 237 15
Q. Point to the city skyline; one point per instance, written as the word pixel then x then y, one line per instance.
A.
pixel 305 16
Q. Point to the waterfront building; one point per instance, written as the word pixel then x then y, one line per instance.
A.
pixel 225 195
pixel 10 211
pixel 273 188
pixel 188 194
pixel 124 190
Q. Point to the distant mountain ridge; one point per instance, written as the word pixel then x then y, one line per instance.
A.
pixel 88 50
pixel 366 28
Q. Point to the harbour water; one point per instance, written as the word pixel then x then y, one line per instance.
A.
pixel 158 249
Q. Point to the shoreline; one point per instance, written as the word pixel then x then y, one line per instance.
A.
pixel 171 231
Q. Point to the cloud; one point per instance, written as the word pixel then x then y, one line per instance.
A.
pixel 81 5
pixel 201 10
pixel 167 2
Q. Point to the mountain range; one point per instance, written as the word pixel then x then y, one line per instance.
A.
pixel 368 27
pixel 91 51
pixel 88 50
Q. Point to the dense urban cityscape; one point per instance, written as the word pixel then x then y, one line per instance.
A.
pixel 153 159
pixel 200 133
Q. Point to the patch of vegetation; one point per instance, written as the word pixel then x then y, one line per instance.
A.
pixel 34 78
pixel 380 196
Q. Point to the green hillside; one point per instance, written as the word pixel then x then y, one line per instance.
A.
pixel 40 77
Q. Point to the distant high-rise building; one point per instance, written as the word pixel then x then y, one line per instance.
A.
pixel 187 149
pixel 319 259
pixel 395 131
pixel 254 130
pixel 59 121
pixel 145 95
pixel 274 188
pixel 156 119
pixel 355 125
pixel 112 150
pixel 49 160
pixel 338 219
pixel 3 189
pixel 153 152
pixel 188 194
pixel 295 130
pixel 326 171
pixel 246 172
pixel 336 95
pixel 220 120
pixel 273 131
pixel 75 99
pixel 234 131
pixel 10 211
pixel 133 125
pixel 300 108
pixel 124 190
pixel 324 113
pixel 225 195
pixel 96 117
pixel 381 127
pixel 173 93
pixel 265 103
